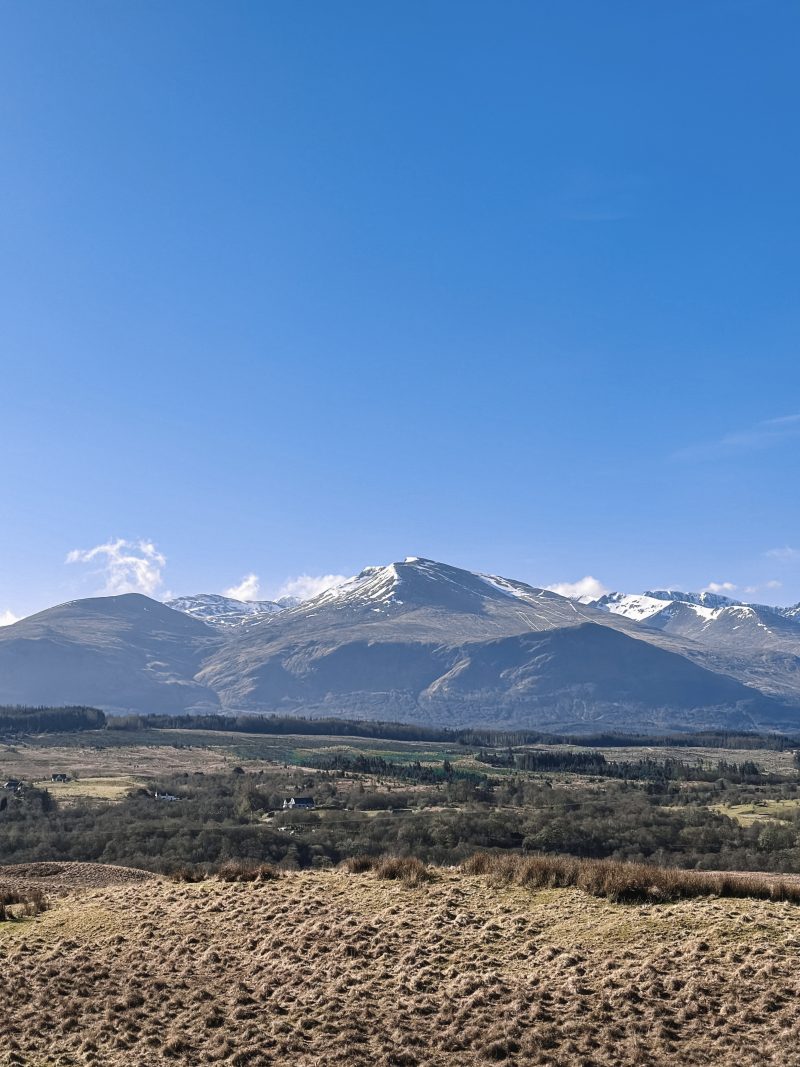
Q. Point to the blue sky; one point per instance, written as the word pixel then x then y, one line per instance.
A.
pixel 292 288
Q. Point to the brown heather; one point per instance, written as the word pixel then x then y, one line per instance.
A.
pixel 627 882
pixel 407 869
pixel 326 967
pixel 237 871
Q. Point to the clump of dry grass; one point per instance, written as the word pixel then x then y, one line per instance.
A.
pixel 359 864
pixel 407 869
pixel 26 901
pixel 236 871
pixel 188 874
pixel 626 882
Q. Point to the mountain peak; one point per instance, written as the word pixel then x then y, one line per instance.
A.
pixel 416 583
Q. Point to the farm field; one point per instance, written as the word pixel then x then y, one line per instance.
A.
pixel 450 972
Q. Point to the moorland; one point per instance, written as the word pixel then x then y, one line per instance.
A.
pixel 448 898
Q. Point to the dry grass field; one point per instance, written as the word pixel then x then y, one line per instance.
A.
pixel 330 967
pixel 37 762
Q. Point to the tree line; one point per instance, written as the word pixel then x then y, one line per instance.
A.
pixel 23 719
pixel 473 737
pixel 48 720
pixel 595 763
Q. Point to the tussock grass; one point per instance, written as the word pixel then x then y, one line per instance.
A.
pixel 626 882
pixel 236 871
pixel 329 968
pixel 188 874
pixel 26 901
pixel 406 869
pixel 358 864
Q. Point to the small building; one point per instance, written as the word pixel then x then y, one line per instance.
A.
pixel 303 803
pixel 165 796
pixel 59 777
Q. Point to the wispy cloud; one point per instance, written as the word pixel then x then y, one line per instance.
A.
pixel 7 618
pixel 125 566
pixel 247 589
pixel 761 435
pixel 588 587
pixel 306 586
pixel 783 555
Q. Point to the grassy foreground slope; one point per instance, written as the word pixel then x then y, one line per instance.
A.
pixel 328 967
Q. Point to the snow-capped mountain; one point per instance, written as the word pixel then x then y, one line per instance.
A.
pixel 643 606
pixel 425 641
pixel 226 613
pixel 471 601
pixel 421 641
pixel 761 642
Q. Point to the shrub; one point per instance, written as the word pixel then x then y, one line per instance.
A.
pixel 188 874
pixel 237 871
pixel 406 869
pixel 29 901
pixel 359 864
pixel 625 882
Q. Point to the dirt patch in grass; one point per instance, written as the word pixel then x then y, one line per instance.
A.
pixel 330 967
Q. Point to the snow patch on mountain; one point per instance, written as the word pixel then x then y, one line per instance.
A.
pixel 227 613
pixel 632 606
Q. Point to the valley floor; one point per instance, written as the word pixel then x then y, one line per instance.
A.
pixel 327 967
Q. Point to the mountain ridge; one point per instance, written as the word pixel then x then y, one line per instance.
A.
pixel 421 641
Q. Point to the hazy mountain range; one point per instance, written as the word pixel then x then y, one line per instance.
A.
pixel 425 642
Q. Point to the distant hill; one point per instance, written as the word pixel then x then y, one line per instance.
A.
pixel 118 653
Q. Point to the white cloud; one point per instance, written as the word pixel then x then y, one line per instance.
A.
pixel 720 587
pixel 126 566
pixel 765 434
pixel 247 589
pixel 306 586
pixel 7 618
pixel 588 587
pixel 783 555
pixel 774 584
